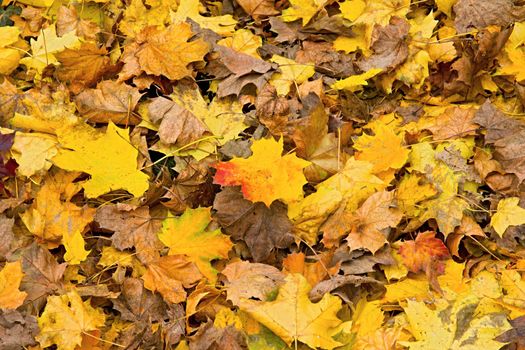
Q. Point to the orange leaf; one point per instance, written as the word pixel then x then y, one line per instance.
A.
pixel 266 175
pixel 424 253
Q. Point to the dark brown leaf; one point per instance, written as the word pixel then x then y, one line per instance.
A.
pixel 262 228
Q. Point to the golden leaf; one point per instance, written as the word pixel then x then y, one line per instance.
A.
pixel 109 158
pixel 65 319
pixel 292 316
pixel 162 51
pixel 10 277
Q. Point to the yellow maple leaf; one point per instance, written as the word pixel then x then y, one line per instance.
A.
pixel 302 9
pixel 379 12
pixel 222 25
pixel 355 82
pixel 467 325
pixel 352 9
pixel 266 175
pixel 385 149
pixel 108 157
pixel 138 16
pixel 412 190
pixel 291 73
pixel 53 218
pixel 514 64
pixel 37 3
pixel 11 49
pixel 46 45
pixel 292 316
pixel 33 152
pixel 187 235
pixel 349 187
pixel 354 43
pixel 508 213
pixel 162 51
pixel 65 319
pixel 445 6
pixel 10 277
pixel 243 40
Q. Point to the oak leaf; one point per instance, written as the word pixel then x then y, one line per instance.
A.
pixel 187 235
pixel 113 169
pixel 10 277
pixel 164 52
pixel 292 316
pixel 266 175
pixel 65 319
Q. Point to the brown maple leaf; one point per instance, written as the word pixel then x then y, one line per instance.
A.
pixel 133 228
pixel 262 228
pixel 160 51
pixel 110 101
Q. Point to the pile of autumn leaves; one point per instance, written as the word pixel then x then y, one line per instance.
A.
pixel 262 175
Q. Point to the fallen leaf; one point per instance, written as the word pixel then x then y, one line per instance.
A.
pixel 111 170
pixel 424 253
pixel 187 235
pixel 292 316
pixel 458 328
pixel 476 14
pixel 55 219
pixel 283 175
pixel 110 101
pixel 65 319
pixel 10 277
pixel 262 228
pixel 371 218
pixel 82 67
pixel 258 8
pixel 132 228
pixel 508 213
pixel 389 46
pixel 162 52
pixel 169 275
pixel 247 280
